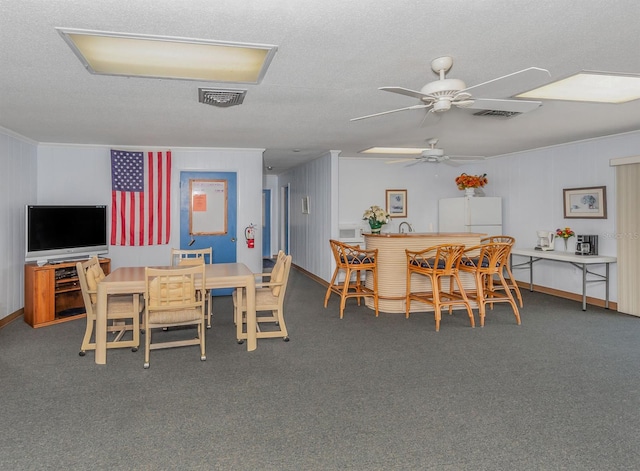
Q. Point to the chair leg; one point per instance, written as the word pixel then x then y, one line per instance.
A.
pixel 209 308
pixel 87 336
pixel 510 296
pixel 513 285
pixel 331 286
pixel 345 289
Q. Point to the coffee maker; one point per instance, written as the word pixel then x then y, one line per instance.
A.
pixel 545 240
pixel 587 245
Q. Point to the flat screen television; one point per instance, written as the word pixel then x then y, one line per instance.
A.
pixel 65 232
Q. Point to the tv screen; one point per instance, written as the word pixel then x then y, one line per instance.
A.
pixel 65 232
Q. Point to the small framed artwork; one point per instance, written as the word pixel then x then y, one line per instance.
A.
pixel 397 203
pixel 585 203
pixel 305 205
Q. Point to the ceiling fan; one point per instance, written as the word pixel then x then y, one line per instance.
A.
pixel 435 155
pixel 438 96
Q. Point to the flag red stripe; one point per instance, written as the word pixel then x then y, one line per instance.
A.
pixel 160 196
pixel 132 219
pixel 150 190
pixel 114 216
pixel 168 198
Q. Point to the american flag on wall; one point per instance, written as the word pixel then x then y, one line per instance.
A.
pixel 140 197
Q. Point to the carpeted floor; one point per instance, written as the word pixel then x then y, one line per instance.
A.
pixel 559 392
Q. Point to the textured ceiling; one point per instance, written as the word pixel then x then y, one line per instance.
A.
pixel 332 57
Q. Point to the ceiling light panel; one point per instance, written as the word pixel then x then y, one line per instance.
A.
pixel 599 87
pixel 393 150
pixel 133 55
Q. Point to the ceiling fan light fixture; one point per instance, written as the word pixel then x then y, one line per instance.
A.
pixel 445 87
pixel 590 86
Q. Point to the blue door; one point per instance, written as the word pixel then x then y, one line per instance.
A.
pixel 266 226
pixel 224 245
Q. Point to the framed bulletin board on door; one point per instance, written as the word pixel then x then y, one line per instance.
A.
pixel 208 207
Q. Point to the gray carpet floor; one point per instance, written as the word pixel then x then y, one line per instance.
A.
pixel 559 392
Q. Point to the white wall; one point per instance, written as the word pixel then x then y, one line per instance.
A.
pixel 363 183
pixel 73 174
pixel 17 189
pixel 309 234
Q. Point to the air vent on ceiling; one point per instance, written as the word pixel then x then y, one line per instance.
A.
pixel 221 97
pixel 497 114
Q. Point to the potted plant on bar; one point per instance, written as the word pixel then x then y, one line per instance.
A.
pixel 376 217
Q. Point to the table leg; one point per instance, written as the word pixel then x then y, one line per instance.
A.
pixel 252 342
pixel 101 325
pixel 531 274
pixel 606 285
pixel 239 320
pixel 584 286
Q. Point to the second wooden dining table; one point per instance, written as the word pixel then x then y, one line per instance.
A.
pixel 130 280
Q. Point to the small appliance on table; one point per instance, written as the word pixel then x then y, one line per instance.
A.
pixel 546 240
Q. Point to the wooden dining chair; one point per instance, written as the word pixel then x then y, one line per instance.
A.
pixel 194 257
pixel 123 311
pixel 270 297
pixel 437 263
pixel 172 300
pixel 511 281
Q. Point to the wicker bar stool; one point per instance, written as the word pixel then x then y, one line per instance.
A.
pixel 353 260
pixel 511 281
pixel 438 262
pixel 486 262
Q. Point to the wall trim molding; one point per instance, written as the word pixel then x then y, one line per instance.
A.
pixel 11 317
pixel 613 306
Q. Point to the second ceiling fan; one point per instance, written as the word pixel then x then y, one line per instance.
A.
pixel 438 96
pixel 436 155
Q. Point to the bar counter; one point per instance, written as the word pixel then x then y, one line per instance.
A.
pixel 392 265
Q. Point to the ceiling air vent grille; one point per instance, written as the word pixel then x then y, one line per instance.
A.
pixel 221 97
pixel 497 114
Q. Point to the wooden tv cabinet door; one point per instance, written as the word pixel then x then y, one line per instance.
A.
pixel 52 293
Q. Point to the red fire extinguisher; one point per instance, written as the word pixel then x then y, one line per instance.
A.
pixel 250 235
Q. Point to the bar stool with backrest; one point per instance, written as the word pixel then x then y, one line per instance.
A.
pixel 182 257
pixel 435 263
pixel 484 262
pixel 354 262
pixel 511 281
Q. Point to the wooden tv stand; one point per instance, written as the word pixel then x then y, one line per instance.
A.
pixel 52 293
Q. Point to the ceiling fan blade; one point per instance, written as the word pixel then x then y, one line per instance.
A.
pixel 418 161
pixel 514 106
pixel 407 92
pixel 399 161
pixel 414 107
pixel 451 163
pixel 467 157
pixel 512 84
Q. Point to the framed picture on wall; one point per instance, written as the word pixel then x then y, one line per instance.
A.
pixel 397 203
pixel 585 203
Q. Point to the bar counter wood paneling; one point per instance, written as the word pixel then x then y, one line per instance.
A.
pixel 392 265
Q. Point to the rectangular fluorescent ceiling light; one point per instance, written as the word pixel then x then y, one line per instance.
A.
pixel 134 55
pixel 599 87
pixel 393 150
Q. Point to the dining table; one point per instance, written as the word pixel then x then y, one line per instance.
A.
pixel 131 280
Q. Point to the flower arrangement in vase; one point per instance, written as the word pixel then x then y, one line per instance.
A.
pixel 565 234
pixel 470 182
pixel 376 216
